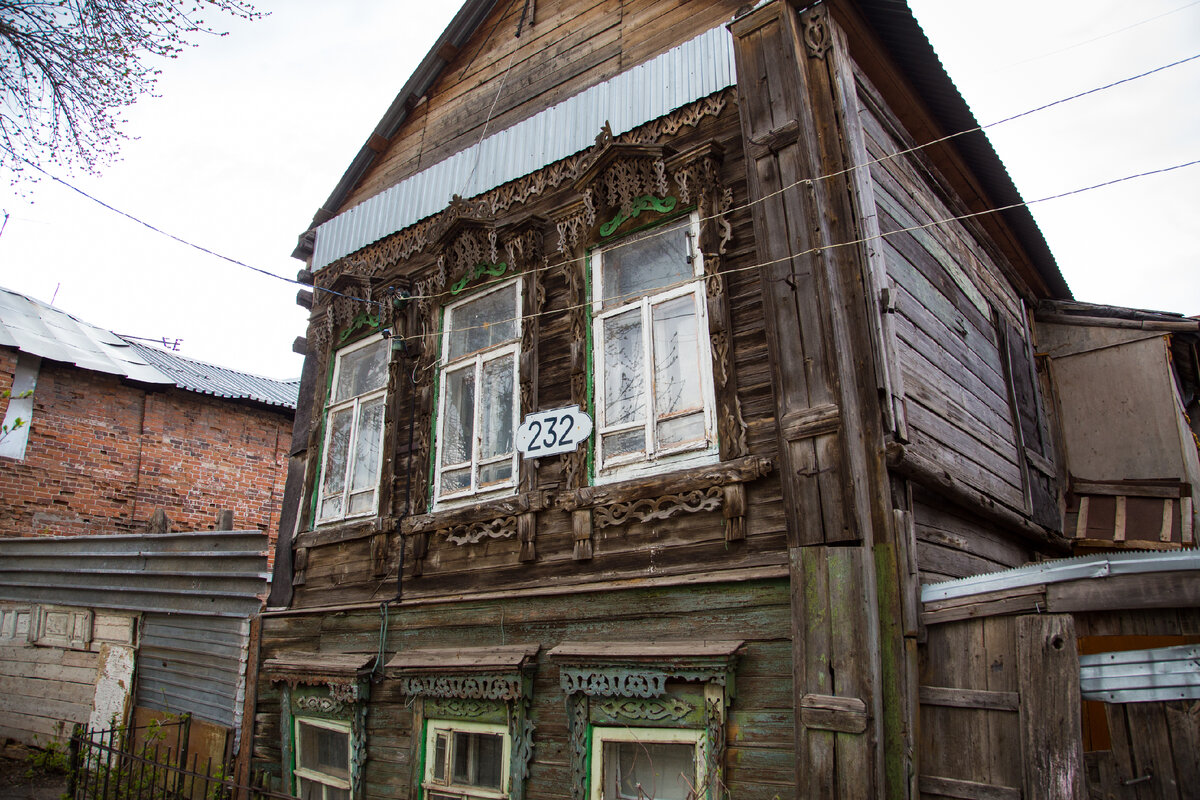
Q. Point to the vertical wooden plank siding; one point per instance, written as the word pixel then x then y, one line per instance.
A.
pixel 1051 735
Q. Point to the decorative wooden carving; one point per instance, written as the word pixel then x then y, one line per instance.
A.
pixel 816 31
pixel 527 534
pixel 460 708
pixel 657 508
pixel 500 686
pixel 474 532
pixel 655 710
pixel 581 530
pixel 416 238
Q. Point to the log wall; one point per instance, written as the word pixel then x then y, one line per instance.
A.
pixel 759 728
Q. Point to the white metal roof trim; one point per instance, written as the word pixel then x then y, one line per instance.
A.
pixel 1066 569
pixel 682 75
pixel 1141 676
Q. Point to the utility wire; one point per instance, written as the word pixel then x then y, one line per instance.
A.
pixel 801 253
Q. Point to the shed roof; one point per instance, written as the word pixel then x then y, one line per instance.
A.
pixel 39 329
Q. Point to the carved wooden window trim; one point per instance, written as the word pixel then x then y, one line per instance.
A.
pixel 320 687
pixel 471 684
pixel 636 685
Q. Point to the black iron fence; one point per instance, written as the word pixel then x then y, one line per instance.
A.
pixel 152 762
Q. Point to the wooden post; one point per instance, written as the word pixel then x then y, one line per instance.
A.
pixel 796 99
pixel 159 522
pixel 1051 731
pixel 225 520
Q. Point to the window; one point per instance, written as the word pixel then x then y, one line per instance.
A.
pixel 354 431
pixel 465 760
pixel 646 764
pixel 14 433
pixel 479 391
pixel 653 369
pixel 322 759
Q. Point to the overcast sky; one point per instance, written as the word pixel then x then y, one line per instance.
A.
pixel 251 132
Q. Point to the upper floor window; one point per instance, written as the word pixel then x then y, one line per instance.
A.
pixel 479 394
pixel 354 431
pixel 637 763
pixel 653 367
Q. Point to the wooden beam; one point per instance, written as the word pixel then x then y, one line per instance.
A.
pixel 1051 731
pixel 968 698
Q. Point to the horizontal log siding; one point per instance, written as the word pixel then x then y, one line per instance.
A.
pixel 759 734
pixel 950 289
pixel 569 47
pixel 955 544
pixel 342 572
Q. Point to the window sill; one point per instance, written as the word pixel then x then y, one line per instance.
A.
pixel 739 470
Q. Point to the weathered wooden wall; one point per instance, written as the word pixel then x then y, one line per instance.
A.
pixel 341 564
pixel 759 729
pixel 46 688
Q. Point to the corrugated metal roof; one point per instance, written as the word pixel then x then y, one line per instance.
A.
pixel 1141 676
pixel 34 327
pixel 209 573
pixel 1065 569
pixel 686 73
pixel 197 376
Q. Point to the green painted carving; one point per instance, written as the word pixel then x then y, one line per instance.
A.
pixel 481 270
pixel 478 687
pixel 646 202
pixel 465 708
pixel 520 731
pixel 577 733
pixel 654 710
pixel 358 323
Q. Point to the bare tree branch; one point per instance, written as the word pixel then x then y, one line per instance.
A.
pixel 68 69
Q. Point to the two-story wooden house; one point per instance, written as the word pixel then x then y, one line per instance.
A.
pixel 659 351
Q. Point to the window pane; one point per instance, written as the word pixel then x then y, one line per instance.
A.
pixel 624 382
pixel 338 447
pixel 361 503
pixel 458 427
pixel 496 413
pixel 679 431
pixel 331 507
pixel 619 444
pixel 361 371
pixel 365 474
pixel 325 751
pixel 439 757
pixel 477 759
pixel 649 771
pixel 482 323
pixel 633 268
pixel 676 357
pixel 495 473
pixel 458 480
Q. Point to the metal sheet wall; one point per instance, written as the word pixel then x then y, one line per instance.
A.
pixel 194 664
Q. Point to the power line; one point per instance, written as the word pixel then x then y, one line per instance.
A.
pixel 811 251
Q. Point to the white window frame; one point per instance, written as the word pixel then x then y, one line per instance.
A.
pixel 433 728
pixel 476 360
pixel 602 735
pixel 653 460
pixel 355 404
pixel 311 775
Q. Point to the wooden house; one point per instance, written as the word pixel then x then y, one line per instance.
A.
pixel 722 266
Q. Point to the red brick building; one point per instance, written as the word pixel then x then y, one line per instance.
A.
pixel 115 431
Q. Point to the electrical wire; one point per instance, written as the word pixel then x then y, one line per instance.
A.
pixel 421 337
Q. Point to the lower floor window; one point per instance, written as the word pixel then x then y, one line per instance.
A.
pixel 322 759
pixel 646 764
pixel 466 760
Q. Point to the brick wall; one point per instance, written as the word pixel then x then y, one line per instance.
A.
pixel 103 455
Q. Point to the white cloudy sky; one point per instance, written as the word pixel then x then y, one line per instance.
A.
pixel 251 132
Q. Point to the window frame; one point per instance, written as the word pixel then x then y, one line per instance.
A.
pixel 476 360
pixel 652 460
pixel 451 726
pixel 315 776
pixel 604 734
pixel 355 404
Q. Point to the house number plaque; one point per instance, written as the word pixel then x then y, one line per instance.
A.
pixel 548 433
